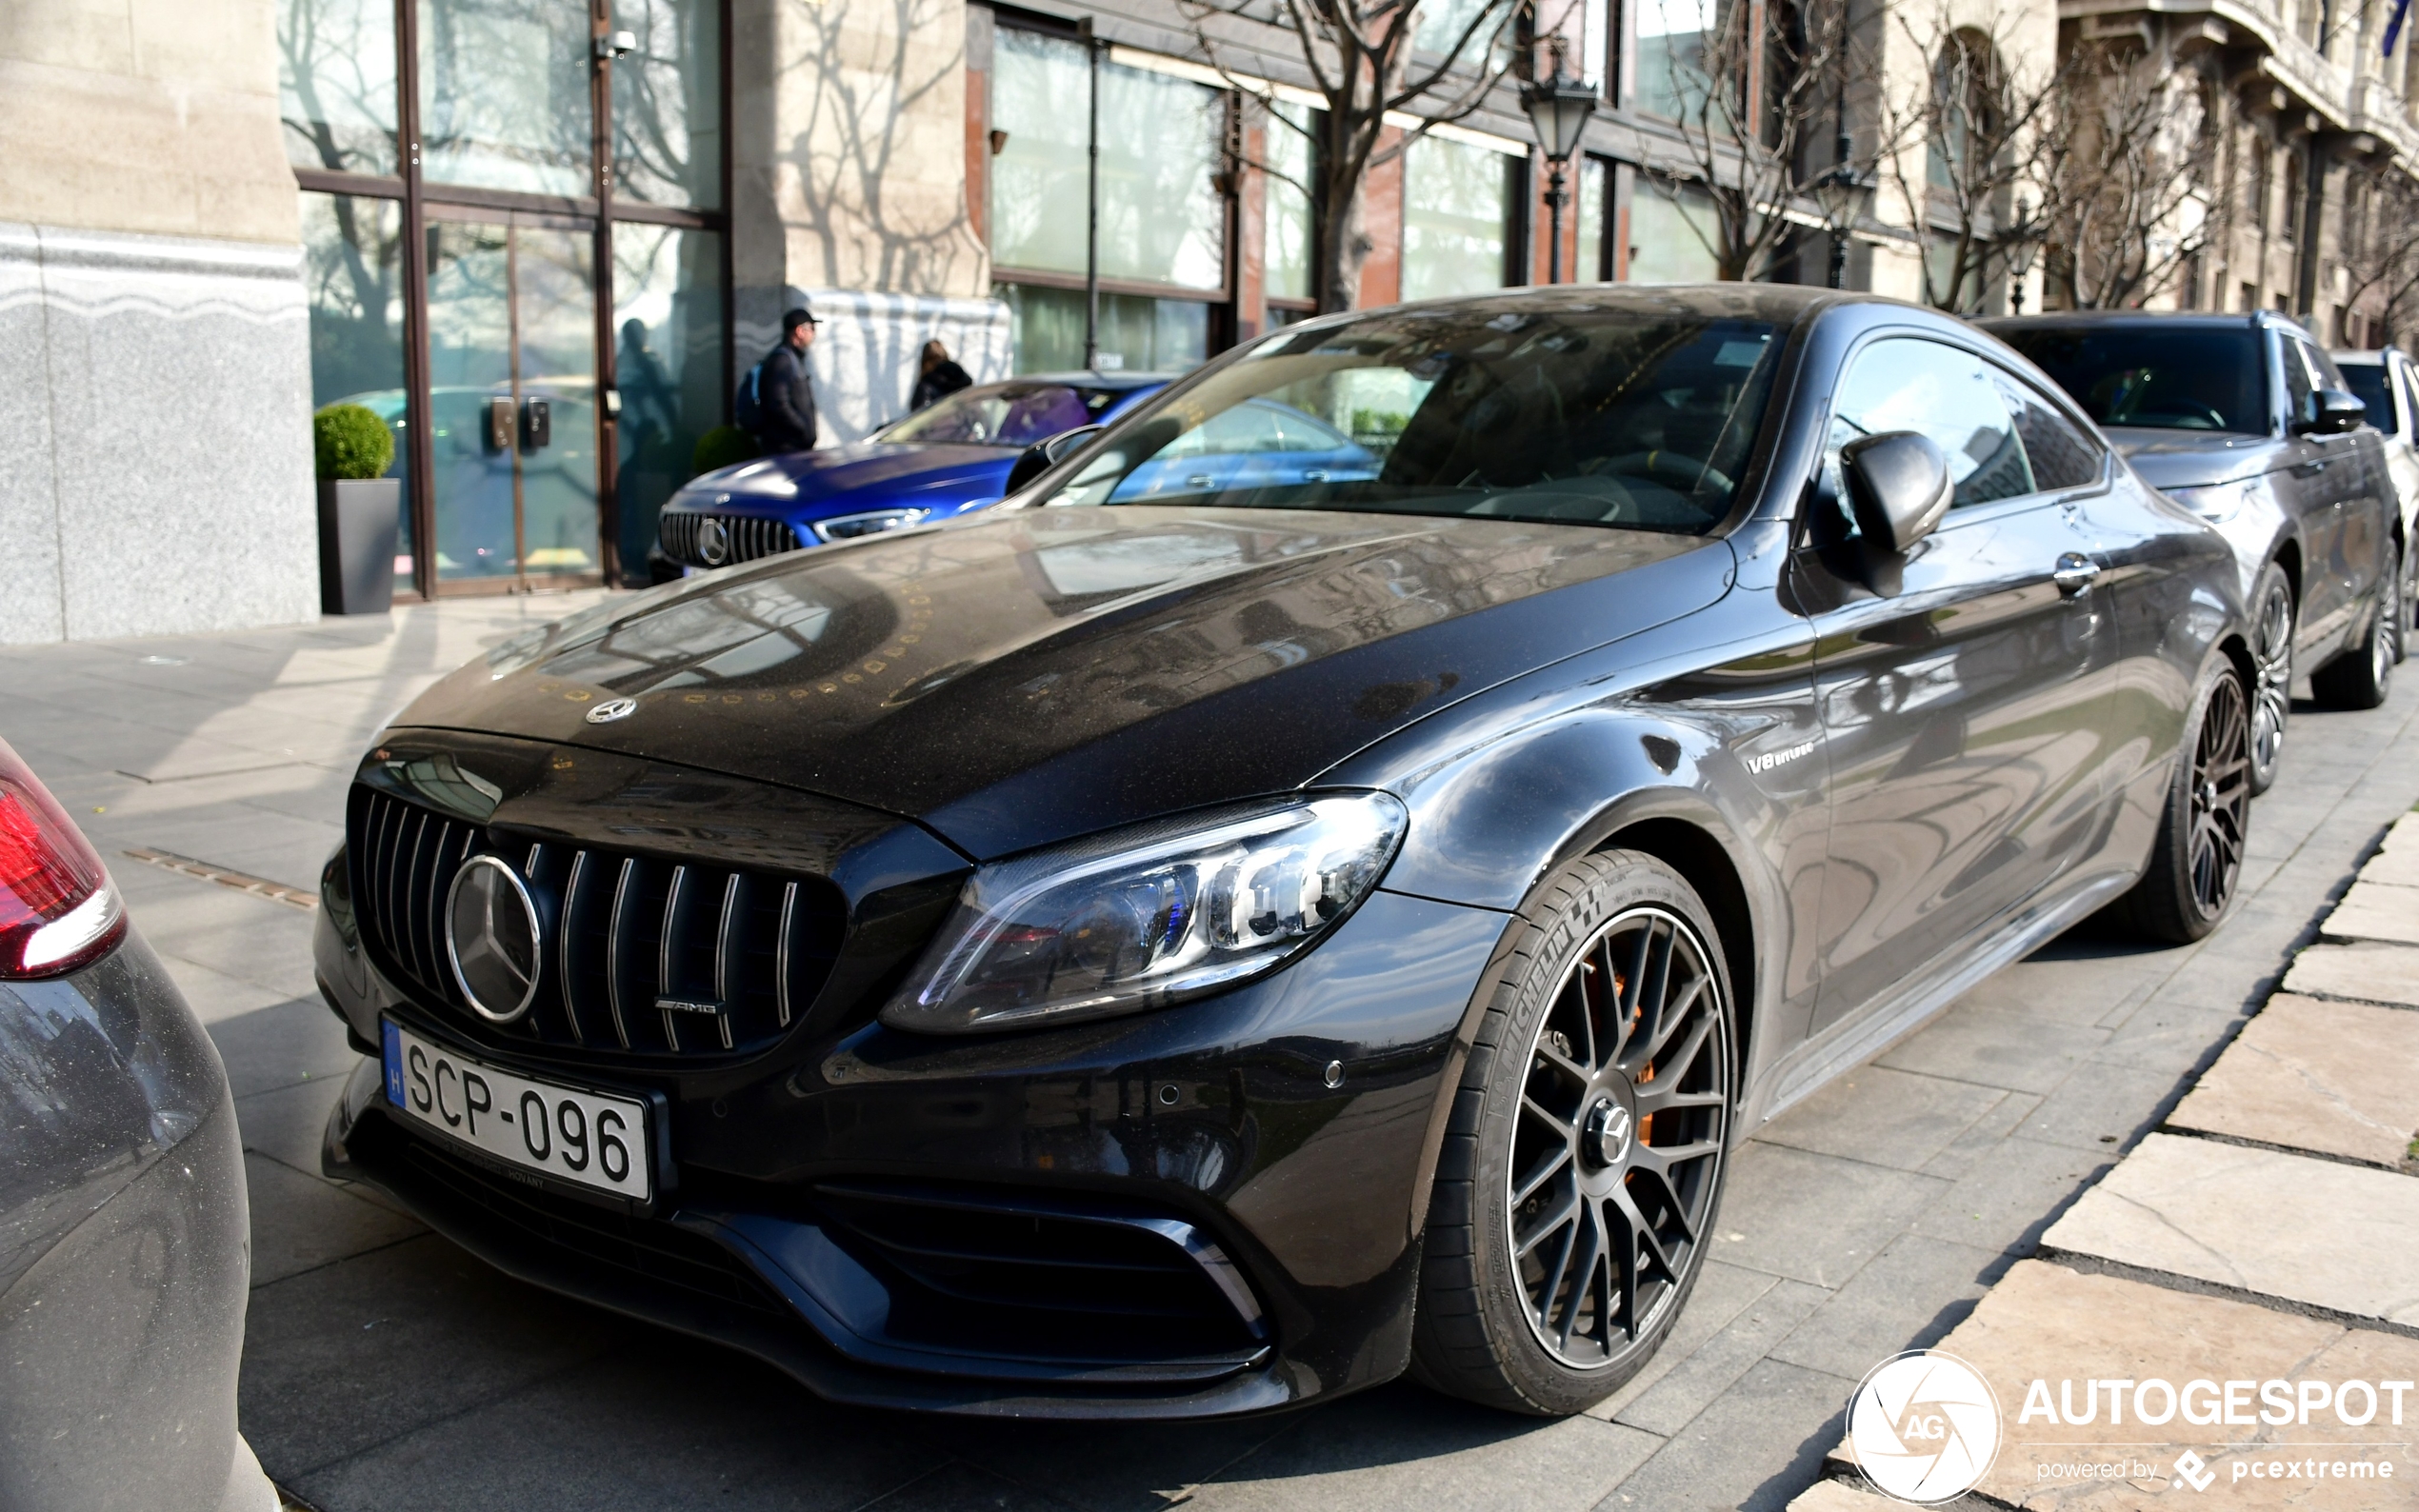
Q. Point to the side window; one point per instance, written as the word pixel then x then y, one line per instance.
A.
pixel 1907 384
pixel 2062 455
pixel 2297 384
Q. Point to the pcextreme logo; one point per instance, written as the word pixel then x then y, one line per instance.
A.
pixel 1925 1428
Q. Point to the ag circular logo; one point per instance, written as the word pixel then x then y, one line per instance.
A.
pixel 491 938
pixel 713 541
pixel 1924 1427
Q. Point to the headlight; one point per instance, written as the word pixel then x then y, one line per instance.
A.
pixel 1147 916
pixel 873 522
pixel 2216 504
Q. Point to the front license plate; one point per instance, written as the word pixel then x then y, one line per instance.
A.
pixel 584 1138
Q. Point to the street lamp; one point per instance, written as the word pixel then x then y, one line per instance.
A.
pixel 1558 110
pixel 2019 254
pixel 1838 189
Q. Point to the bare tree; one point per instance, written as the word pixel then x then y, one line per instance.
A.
pixel 1760 93
pixel 1974 203
pixel 2127 171
pixel 1367 59
pixel 2380 249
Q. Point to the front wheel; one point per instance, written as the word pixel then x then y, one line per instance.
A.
pixel 1583 1165
pixel 2362 676
pixel 2272 630
pixel 2197 861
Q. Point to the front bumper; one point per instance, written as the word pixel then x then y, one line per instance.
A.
pixel 1207 1228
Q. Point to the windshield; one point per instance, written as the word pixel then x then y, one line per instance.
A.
pixel 2179 378
pixel 1009 414
pixel 2368 380
pixel 1615 417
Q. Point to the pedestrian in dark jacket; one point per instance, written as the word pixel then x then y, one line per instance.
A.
pixel 939 376
pixel 785 390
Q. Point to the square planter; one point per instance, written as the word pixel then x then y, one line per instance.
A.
pixel 358 525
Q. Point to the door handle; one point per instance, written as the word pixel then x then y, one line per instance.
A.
pixel 2074 575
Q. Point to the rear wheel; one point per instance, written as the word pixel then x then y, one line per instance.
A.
pixel 2197 861
pixel 2362 676
pixel 1581 1171
pixel 2273 628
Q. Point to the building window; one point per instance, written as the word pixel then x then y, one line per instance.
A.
pixel 668 103
pixel 1595 205
pixel 669 363
pixel 352 278
pixel 1289 217
pixel 503 94
pixel 1163 220
pixel 1457 216
pixel 1671 235
pixel 1672 39
pixel 336 83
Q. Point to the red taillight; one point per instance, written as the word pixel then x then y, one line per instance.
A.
pixel 58 909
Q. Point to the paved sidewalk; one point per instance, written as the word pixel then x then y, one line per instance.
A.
pixel 2267 1237
pixel 387 1370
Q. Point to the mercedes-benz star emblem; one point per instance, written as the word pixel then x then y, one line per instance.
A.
pixel 713 541
pixel 612 709
pixel 491 938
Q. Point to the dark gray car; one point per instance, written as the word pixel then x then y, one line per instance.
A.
pixel 2247 421
pixel 123 1224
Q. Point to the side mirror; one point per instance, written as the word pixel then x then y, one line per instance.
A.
pixel 1898 485
pixel 2329 412
pixel 1042 454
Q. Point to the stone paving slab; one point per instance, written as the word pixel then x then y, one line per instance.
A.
pixel 2334 1078
pixel 2287 1226
pixel 2371 973
pixel 2051 1324
pixel 2372 910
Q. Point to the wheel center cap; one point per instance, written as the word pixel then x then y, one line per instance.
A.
pixel 1604 1136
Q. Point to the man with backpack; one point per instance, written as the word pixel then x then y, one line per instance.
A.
pixel 777 399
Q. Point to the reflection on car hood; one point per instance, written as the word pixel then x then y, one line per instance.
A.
pixel 895 468
pixel 1027 676
pixel 2192 459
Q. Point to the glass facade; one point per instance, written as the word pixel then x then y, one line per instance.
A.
pixel 669 364
pixel 525 244
pixel 1457 203
pixel 668 103
pixel 1671 235
pixel 1671 37
pixel 503 94
pixel 1136 333
pixel 1162 217
pixel 352 278
pixel 1594 202
pixel 1290 221
pixel 336 83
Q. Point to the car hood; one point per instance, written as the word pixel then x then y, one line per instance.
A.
pixel 1023 677
pixel 894 468
pixel 2193 459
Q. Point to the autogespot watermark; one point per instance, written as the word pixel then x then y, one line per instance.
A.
pixel 1926 1427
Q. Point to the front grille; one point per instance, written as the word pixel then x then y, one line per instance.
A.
pixel 1045 1277
pixel 745 537
pixel 636 954
pixel 595 1235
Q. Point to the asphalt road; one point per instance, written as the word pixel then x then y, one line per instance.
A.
pixel 385 1368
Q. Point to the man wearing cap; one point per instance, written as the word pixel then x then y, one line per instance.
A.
pixel 785 390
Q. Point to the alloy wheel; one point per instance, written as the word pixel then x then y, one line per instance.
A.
pixel 2272 696
pixel 2221 798
pixel 1617 1146
pixel 2385 644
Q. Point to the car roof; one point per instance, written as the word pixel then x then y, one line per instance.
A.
pixel 2367 357
pixel 1087 379
pixel 1778 303
pixel 2202 319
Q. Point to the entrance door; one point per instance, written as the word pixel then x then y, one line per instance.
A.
pixel 513 401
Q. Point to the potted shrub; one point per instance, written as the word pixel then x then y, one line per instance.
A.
pixel 359 508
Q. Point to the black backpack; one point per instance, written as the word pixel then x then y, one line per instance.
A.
pixel 747 405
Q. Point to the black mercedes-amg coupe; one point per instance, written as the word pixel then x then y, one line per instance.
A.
pixel 1201 937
